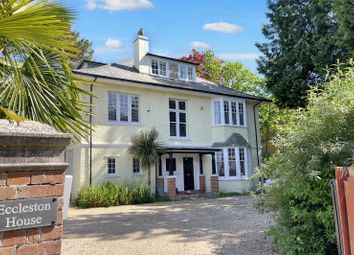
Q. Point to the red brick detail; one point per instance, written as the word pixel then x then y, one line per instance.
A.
pixel 46 248
pixel 41 191
pixel 52 233
pixel 15 237
pixel 160 186
pixel 60 203
pixel 7 193
pixel 51 177
pixel 36 177
pixel 60 218
pixel 2 179
pixel 202 183
pixel 171 186
pixel 214 179
pixel 18 178
pixel 7 250
pixel 33 235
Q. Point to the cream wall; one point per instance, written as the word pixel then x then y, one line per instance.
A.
pixel 112 139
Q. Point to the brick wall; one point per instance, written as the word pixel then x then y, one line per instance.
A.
pixel 202 183
pixel 171 186
pixel 160 186
pixel 214 183
pixel 32 166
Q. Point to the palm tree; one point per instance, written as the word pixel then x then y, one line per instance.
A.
pixel 36 81
pixel 147 149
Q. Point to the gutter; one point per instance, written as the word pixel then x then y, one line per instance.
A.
pixel 90 139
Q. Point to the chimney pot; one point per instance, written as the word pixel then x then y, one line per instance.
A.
pixel 141 32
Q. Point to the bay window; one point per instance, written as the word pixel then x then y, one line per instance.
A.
pixel 229 112
pixel 123 108
pixel 232 163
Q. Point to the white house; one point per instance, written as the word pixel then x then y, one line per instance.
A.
pixel 211 132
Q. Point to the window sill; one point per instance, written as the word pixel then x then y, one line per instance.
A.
pixel 138 174
pixel 112 176
pixel 173 138
pixel 124 123
pixel 233 178
pixel 225 125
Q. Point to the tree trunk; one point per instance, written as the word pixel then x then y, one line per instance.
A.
pixel 149 174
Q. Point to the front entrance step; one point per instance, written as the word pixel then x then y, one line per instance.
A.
pixel 193 195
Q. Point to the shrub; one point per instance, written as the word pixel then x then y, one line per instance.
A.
pixel 300 196
pixel 112 194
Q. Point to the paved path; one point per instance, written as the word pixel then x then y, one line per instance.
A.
pixel 223 226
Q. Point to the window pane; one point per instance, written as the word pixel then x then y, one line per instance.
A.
pixel 242 161
pixel 112 106
pixel 173 129
pixel 172 117
pixel 173 164
pixel 163 68
pixel 183 72
pixel 217 112
pixel 172 104
pixel 241 114
pixel 190 73
pixel 226 112
pixel 234 113
pixel 123 107
pixel 173 68
pixel 136 165
pixel 111 165
pixel 135 109
pixel 182 117
pixel 232 161
pixel 181 105
pixel 220 163
pixel 154 67
pixel 182 130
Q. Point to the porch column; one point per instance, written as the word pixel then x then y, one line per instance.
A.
pixel 201 163
pixel 213 167
pixel 170 170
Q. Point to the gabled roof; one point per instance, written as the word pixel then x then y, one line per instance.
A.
pixel 120 72
pixel 235 140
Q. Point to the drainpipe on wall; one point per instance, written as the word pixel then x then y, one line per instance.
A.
pixel 90 140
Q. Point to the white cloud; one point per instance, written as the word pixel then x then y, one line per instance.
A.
pixel 223 27
pixel 199 45
pixel 118 5
pixel 233 56
pixel 114 44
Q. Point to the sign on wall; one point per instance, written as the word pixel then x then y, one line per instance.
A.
pixel 28 213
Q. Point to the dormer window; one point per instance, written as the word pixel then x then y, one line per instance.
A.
pixel 159 67
pixel 186 73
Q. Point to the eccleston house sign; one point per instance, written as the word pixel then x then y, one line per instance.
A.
pixel 28 213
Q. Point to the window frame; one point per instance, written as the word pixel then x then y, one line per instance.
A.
pixel 108 174
pixel 187 67
pixel 226 163
pixel 130 108
pixel 177 111
pixel 134 166
pixel 159 68
pixel 221 112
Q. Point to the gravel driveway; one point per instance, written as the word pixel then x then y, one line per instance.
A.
pixel 223 226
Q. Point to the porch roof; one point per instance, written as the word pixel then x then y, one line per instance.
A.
pixel 199 150
pixel 234 140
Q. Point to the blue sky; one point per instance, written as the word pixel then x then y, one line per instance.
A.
pixel 228 27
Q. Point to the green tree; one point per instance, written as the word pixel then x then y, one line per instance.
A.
pixel 211 67
pixel 85 50
pixel 302 42
pixel 36 81
pixel 344 13
pixel 147 149
pixel 308 152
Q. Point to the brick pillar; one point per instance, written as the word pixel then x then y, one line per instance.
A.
pixel 32 168
pixel 160 186
pixel 171 186
pixel 214 179
pixel 202 183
